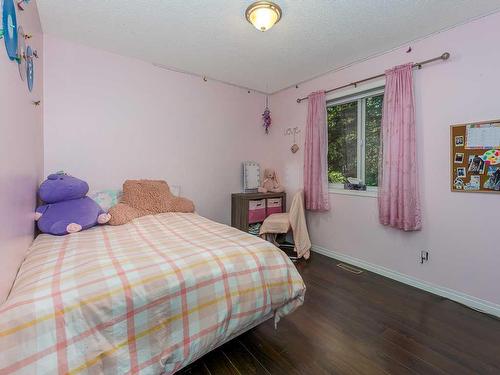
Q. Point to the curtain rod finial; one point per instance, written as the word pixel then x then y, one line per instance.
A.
pixel 299 100
pixel 445 56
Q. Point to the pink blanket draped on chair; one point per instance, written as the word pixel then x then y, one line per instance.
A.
pixel 398 195
pixel 315 158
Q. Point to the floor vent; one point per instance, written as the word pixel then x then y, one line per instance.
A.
pixel 349 268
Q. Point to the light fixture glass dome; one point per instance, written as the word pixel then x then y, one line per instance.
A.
pixel 263 15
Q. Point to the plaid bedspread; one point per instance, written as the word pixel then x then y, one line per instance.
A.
pixel 147 297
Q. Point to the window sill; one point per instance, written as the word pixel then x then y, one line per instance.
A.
pixel 357 193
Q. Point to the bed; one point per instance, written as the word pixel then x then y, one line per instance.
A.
pixel 147 297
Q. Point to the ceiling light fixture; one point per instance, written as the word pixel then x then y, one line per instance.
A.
pixel 263 15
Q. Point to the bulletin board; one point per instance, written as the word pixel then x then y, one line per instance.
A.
pixel 475 157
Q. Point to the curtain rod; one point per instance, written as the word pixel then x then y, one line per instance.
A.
pixel 444 56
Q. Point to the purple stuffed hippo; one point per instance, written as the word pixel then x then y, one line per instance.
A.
pixel 67 209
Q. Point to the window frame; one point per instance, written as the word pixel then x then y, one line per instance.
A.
pixel 357 95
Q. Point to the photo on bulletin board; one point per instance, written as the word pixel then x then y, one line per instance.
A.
pixel 459 141
pixel 461 172
pixel 459 157
pixel 475 157
pixel 493 181
pixel 476 164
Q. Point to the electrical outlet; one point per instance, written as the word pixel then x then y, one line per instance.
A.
pixel 424 256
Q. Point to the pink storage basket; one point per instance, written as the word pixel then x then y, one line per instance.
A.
pixel 273 206
pixel 256 211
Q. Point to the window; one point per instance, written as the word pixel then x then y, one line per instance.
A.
pixel 354 137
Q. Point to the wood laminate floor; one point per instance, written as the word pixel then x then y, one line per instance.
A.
pixel 362 324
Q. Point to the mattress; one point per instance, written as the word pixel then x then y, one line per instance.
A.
pixel 147 297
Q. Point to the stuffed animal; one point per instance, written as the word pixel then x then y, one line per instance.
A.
pixel 271 182
pixel 147 197
pixel 67 209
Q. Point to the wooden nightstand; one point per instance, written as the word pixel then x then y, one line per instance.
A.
pixel 251 208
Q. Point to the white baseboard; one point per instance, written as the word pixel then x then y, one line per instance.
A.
pixel 465 299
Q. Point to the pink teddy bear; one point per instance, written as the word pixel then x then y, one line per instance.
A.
pixel 271 183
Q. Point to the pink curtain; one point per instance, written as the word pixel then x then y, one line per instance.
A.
pixel 315 167
pixel 398 195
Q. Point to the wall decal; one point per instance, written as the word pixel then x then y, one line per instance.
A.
pixel 9 22
pixel 22 3
pixel 30 68
pixel 21 52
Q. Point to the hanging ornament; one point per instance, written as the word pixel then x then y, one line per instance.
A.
pixel 295 146
pixel 266 117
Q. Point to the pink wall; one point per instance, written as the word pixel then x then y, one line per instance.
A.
pixel 109 118
pixel 21 153
pixel 460 230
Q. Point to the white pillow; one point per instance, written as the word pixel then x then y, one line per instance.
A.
pixel 107 198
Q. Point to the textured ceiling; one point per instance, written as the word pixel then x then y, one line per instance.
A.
pixel 212 37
